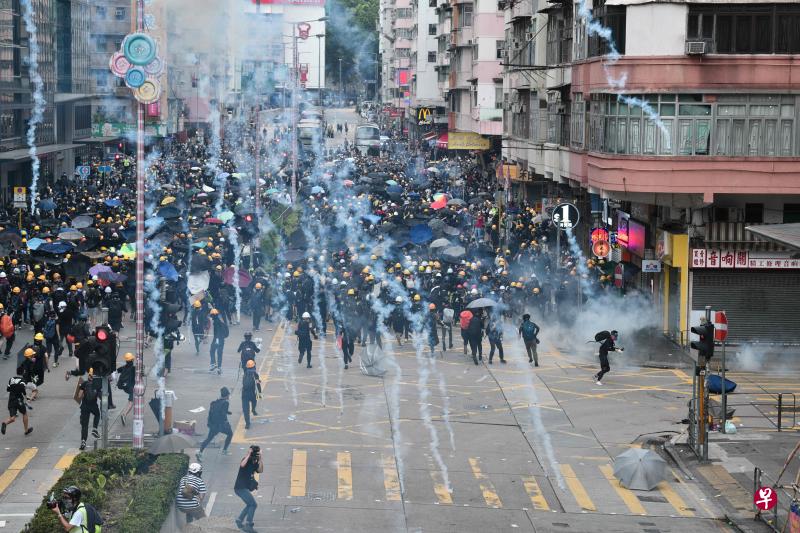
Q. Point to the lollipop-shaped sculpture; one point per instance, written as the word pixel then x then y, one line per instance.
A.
pixel 139 65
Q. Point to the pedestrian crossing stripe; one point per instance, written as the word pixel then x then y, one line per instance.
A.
pixel 391 481
pixel 344 476
pixel 487 488
pixel 535 493
pixel 16 467
pixel 628 497
pixel 577 489
pixel 298 475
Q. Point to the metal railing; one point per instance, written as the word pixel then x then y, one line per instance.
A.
pixel 784 403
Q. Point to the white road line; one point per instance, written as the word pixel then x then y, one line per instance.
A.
pixel 210 504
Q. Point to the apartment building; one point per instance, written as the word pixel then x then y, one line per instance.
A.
pixel 426 113
pixel 674 135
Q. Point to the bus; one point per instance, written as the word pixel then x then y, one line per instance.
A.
pixel 368 139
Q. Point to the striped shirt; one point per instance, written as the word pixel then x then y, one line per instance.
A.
pixel 200 488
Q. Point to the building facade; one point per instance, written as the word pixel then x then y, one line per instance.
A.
pixel 675 134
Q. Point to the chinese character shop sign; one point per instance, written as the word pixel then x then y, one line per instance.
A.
pixel 716 258
pixel 765 498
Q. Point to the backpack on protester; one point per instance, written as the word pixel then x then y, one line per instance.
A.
pixel 38 310
pixel 50 329
pixel 448 315
pixel 528 330
pixel 601 336
pixel 6 326
pixel 216 413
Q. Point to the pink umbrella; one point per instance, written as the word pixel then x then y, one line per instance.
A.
pixel 348 183
pixel 244 277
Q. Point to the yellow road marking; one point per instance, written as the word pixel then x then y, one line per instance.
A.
pixel 66 460
pixel 576 488
pixel 674 499
pixel 631 501
pixel 391 482
pixel 298 476
pixel 16 467
pixel 439 488
pixel 344 474
pixel 535 493
pixel 487 487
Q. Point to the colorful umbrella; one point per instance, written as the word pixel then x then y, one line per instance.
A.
pixel 244 277
pixel 167 200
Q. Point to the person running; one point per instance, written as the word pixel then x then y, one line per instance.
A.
pixel 248 349
pixel 606 346
pixel 251 389
pixel 245 484
pixel 16 404
pixel 494 332
pixel 475 336
pixel 218 422
pixel 305 329
pixel 191 493
pixel 529 332
pixel 125 382
pixel 433 324
pixel 199 320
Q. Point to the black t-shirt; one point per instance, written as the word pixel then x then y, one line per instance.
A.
pixel 245 473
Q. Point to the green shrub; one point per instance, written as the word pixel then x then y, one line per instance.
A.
pixel 112 480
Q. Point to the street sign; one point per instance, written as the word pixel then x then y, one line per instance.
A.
pixel 83 171
pixel 651 266
pixel 720 326
pixel 566 216
pixel 598 234
pixel 618 272
pixel 20 197
pixel 104 168
pixel 601 249
pixel 765 498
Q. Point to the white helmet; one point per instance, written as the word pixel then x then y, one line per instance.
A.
pixel 108 290
pixel 399 299
pixel 306 315
pixel 474 291
pixel 502 287
pixel 195 468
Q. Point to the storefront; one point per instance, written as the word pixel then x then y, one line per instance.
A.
pixel 759 292
pixel 673 251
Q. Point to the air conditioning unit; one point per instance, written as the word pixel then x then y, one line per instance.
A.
pixel 696 48
pixel 447 57
pixel 529 36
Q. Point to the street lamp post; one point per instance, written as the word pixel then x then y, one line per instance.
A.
pixel 341 92
pixel 319 37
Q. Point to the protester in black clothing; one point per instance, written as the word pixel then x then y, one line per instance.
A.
pixel 16 403
pixel 220 328
pixel 606 346
pixel 126 379
pixel 305 329
pixel 218 422
pixel 247 349
pixel 529 332
pixel 245 484
pixel 89 398
pixel 251 390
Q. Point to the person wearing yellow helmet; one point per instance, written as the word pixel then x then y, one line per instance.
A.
pixel 251 390
pixel 126 379
pixel 220 333
pixel 433 324
pixel 17 405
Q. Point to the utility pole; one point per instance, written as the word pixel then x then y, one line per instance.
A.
pixel 319 37
pixel 295 81
pixel 341 92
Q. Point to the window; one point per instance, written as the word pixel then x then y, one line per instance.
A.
pixel 431 3
pixel 558 118
pixel 520 114
pixel 753 213
pixel 498 97
pixel 791 213
pixel 578 120
pixel 404 13
pixel 464 15
pixel 499 47
pixel 100 12
pixel 431 57
pixel 83 117
pixel 559 36
pixel 119 13
pixel 521 47
pixel 432 29
pixel 746 28
pixel 613 18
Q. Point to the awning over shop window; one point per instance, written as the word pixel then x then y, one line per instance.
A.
pixel 429 136
pixel 441 142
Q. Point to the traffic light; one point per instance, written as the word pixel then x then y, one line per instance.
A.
pixel 705 345
pixel 103 356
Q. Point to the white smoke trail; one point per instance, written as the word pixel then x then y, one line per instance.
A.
pixel 233 237
pixel 37 113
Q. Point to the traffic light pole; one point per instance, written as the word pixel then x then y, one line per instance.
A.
pixel 724 395
pixel 104 410
pixel 702 426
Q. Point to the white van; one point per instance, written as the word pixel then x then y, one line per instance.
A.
pixel 368 139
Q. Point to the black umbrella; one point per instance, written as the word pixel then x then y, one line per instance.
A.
pixel 169 211
pixel 206 231
pixel 86 244
pixel 200 262
pixel 77 266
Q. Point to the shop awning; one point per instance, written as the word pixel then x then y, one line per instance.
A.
pixel 441 142
pixel 785 234
pixel 22 153
pixel 429 136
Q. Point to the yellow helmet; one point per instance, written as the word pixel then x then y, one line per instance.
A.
pixel 351 292
pixel 197 304
pixel 397 265
pixel 214 312
pixel 129 356
pixel 73 287
pixel 296 274
pixel 16 290
pixel 79 285
pixel 259 286
pixel 30 352
pixel 45 290
pixel 431 306
pixel 417 297
pixel 365 270
pixel 406 272
pixel 250 363
pixel 38 337
pixel 89 283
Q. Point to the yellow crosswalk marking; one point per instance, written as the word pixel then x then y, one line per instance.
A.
pixel 66 460
pixel 630 499
pixel 674 499
pixel 298 475
pixel 344 476
pixel 390 480
pixel 535 493
pixel 16 467
pixel 439 488
pixel 487 487
pixel 576 488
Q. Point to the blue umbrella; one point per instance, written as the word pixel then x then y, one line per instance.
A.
pixel 421 233
pixel 56 248
pixel 113 202
pixel 34 243
pixel 167 271
pixel 47 204
pixel 394 189
pixel 316 189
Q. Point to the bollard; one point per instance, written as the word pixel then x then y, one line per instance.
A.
pixel 780 409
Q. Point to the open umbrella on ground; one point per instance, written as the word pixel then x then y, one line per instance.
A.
pixel 82 221
pixel 639 469
pixel 167 271
pixel 56 248
pixel 173 443
pixel 440 243
pixel 481 303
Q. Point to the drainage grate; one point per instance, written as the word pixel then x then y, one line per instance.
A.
pixel 652 499
pixel 322 496
pixel 560 524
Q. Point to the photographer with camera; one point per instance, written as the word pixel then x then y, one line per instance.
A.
pixel 245 484
pixel 83 517
pixel 191 492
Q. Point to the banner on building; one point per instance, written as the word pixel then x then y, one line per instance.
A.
pixel 467 141
pixel 720 258
pixel 255 3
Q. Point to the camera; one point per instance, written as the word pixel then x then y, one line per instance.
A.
pixel 256 449
pixel 52 503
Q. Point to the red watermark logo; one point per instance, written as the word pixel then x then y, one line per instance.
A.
pixel 765 498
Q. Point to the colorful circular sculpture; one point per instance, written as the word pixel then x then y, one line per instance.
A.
pixel 119 65
pixel 139 48
pixel 135 78
pixel 155 67
pixel 148 92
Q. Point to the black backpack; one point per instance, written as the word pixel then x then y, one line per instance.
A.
pixel 217 412
pixel 92 517
pixel 601 336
